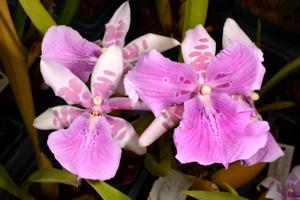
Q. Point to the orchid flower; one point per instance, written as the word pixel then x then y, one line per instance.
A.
pixel 91 145
pixel 200 94
pixel 288 190
pixel 64 45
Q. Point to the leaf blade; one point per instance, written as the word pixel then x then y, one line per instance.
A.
pixel 276 106
pixel 106 191
pixel 53 175
pixel 205 195
pixel 8 184
pixel 281 74
pixel 38 14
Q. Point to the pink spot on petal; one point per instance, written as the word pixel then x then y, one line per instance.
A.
pixel 203 40
pixel 109 73
pixel 104 80
pixel 145 44
pixel 165 125
pixel 165 115
pixel 201 47
pixel 55 122
pixel 121 135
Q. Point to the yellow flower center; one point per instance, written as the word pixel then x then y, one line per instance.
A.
pixel 205 90
pixel 254 96
pixel 97 100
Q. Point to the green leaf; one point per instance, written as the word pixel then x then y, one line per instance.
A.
pixel 106 191
pixel 15 65
pixel 142 123
pixel 69 11
pixel 53 176
pixel 258 34
pixel 38 14
pixel 205 195
pixel 156 168
pixel 281 74
pixel 228 188
pixel 8 184
pixel 195 13
pixel 19 19
pixel 279 105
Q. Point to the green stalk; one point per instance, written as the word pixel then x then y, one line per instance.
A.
pixel 281 74
pixel 195 13
pixel 15 65
pixel 38 14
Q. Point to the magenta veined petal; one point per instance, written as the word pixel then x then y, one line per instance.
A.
pixel 87 148
pixel 124 103
pixel 65 84
pixel 270 152
pixel 145 43
pixel 218 131
pixel 198 48
pixel 57 117
pixel 107 72
pixel 116 29
pixel 160 82
pixel 64 45
pixel 236 70
pixel 125 135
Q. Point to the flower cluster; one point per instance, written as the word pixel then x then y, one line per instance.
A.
pixel 289 189
pixel 210 97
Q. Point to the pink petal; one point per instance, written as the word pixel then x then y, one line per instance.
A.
pixel 127 66
pixel 116 29
pixel 198 48
pixel 236 70
pixel 124 133
pixel 218 131
pixel 87 148
pixel 270 152
pixel 57 117
pixel 65 84
pixel 124 103
pixel 168 118
pixel 160 82
pixel 64 45
pixel 233 33
pixel 107 72
pixel 145 43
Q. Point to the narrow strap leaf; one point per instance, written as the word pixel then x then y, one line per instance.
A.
pixel 53 176
pixel 281 74
pixel 38 14
pixel 205 195
pixel 279 105
pixel 19 19
pixel 69 11
pixel 258 34
pixel 195 13
pixel 14 62
pixel 106 191
pixel 8 184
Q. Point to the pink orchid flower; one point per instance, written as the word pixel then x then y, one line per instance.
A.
pixel 215 127
pixel 287 190
pixel 64 45
pixel 91 145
